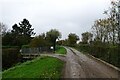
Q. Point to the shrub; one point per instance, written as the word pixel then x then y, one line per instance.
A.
pixel 113 55
pixel 84 47
pixel 10 56
pixel 25 46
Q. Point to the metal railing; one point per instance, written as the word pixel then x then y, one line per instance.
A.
pixel 35 50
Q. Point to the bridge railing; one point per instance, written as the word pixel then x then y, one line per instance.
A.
pixel 35 50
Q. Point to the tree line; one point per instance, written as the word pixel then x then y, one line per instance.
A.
pixel 21 34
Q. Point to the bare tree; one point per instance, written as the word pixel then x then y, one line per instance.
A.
pixel 105 29
pixel 3 28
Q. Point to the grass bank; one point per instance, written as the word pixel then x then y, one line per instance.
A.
pixel 60 50
pixel 44 67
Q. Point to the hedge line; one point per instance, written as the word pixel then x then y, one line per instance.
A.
pixel 10 56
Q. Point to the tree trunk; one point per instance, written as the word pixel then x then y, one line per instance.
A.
pixel 113 37
pixel 54 45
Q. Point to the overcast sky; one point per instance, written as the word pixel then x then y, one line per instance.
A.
pixel 68 16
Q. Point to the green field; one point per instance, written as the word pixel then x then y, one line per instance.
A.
pixel 61 50
pixel 44 67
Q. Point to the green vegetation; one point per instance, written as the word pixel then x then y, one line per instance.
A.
pixel 10 57
pixel 41 67
pixel 19 35
pixel 72 39
pixel 52 36
pixel 84 48
pixel 61 50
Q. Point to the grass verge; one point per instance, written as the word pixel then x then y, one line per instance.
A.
pixel 45 67
pixel 61 50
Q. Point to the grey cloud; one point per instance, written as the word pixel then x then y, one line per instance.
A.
pixel 65 15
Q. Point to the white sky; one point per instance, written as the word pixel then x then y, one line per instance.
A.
pixel 76 16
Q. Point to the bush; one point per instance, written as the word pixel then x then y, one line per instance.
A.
pixel 25 46
pixel 113 55
pixel 83 47
pixel 98 51
pixel 10 56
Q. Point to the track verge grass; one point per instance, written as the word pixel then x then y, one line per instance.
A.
pixel 44 67
pixel 60 50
